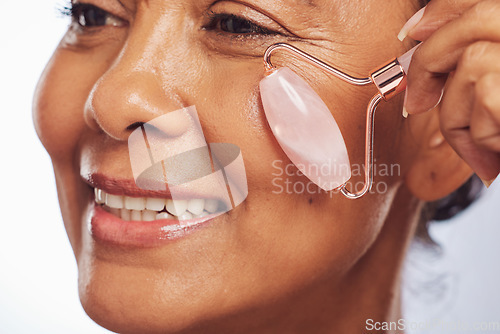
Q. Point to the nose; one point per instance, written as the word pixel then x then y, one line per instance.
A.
pixel 122 101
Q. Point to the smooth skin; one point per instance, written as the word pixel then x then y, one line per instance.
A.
pixel 280 262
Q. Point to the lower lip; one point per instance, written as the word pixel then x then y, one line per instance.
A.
pixel 108 228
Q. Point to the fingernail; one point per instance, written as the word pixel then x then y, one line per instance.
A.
pixel 405 112
pixel 487 184
pixel 436 140
pixel 410 24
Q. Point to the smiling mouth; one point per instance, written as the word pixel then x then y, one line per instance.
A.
pixel 153 208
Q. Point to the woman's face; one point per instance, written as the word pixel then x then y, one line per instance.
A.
pixel 134 60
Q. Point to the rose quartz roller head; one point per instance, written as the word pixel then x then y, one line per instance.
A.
pixel 305 129
pixel 304 126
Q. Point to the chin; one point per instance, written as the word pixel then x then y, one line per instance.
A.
pixel 126 302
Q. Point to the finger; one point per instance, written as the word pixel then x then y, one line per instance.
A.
pixel 462 119
pixel 485 120
pixel 477 60
pixel 439 55
pixel 436 14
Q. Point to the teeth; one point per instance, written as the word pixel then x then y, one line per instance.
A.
pixel 211 205
pixel 155 204
pixel 148 215
pixel 176 207
pixel 149 209
pixel 163 215
pixel 135 203
pixel 185 216
pixel 114 201
pixel 125 214
pixel 100 196
pixel 195 206
pixel 114 211
pixel 203 214
pixel 135 215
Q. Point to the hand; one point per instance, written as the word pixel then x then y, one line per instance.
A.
pixel 458 66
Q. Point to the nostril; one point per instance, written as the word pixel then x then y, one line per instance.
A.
pixel 177 124
pixel 134 126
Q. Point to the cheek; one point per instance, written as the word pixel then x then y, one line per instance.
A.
pixel 58 120
pixel 60 98
pixel 58 104
pixel 281 195
pixel 236 116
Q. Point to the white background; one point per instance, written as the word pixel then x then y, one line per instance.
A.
pixel 38 277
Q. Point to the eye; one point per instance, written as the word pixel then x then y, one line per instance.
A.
pixel 88 16
pixel 232 24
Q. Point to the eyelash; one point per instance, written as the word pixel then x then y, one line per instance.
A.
pixel 70 9
pixel 75 10
pixel 216 19
pixel 255 29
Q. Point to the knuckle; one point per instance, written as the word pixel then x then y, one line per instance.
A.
pixel 475 134
pixel 473 56
pixel 448 132
pixel 487 93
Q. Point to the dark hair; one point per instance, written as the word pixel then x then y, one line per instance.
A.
pixel 448 207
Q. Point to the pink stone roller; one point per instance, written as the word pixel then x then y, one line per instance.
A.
pixel 305 128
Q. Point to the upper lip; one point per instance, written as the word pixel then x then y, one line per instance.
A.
pixel 128 187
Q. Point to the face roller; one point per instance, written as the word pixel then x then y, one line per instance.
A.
pixel 304 126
